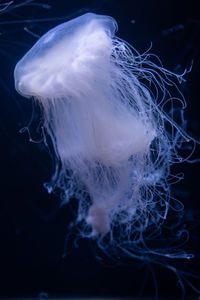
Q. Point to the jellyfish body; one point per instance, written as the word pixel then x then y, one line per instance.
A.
pixel 108 134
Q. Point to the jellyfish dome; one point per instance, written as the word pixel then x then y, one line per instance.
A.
pixel 112 148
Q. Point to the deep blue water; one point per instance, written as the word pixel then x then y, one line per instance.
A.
pixel 32 225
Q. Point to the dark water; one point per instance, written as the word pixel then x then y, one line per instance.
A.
pixel 32 225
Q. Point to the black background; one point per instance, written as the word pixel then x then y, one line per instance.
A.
pixel 33 226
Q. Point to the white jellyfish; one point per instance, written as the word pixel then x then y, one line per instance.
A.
pixel 103 107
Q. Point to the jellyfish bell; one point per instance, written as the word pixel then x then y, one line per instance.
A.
pixel 56 64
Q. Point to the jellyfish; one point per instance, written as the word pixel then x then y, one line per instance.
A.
pixel 103 107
